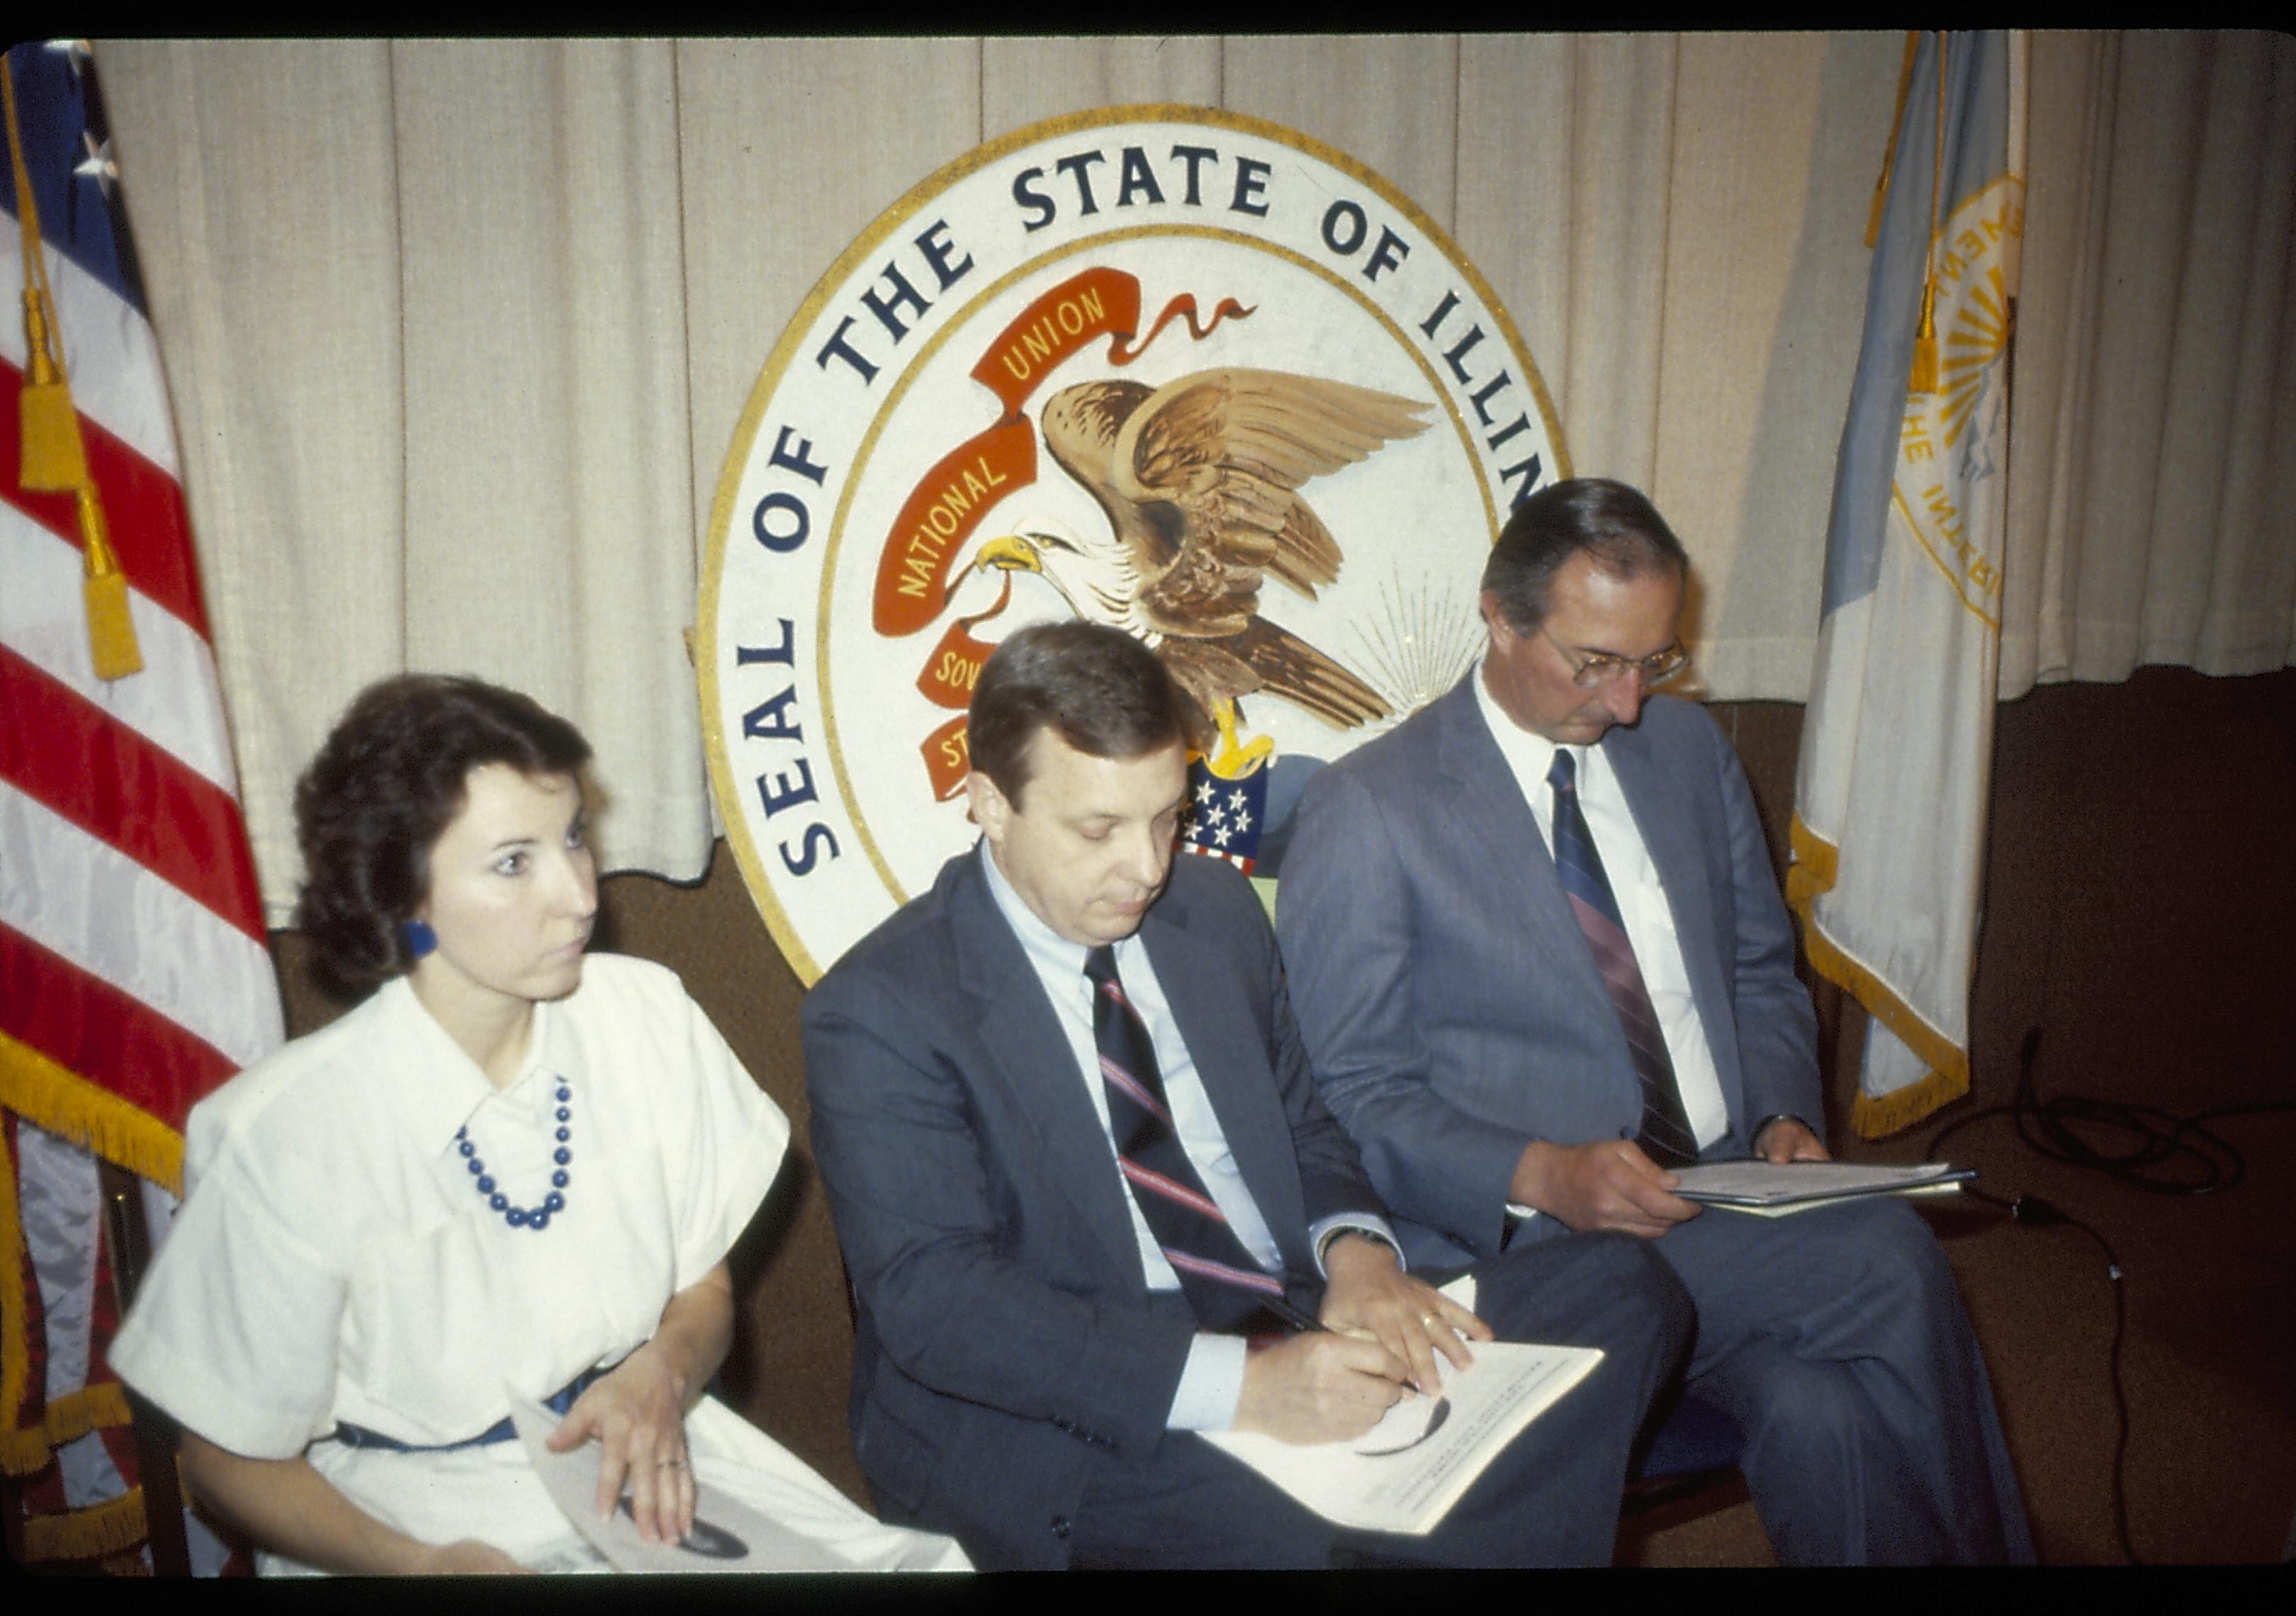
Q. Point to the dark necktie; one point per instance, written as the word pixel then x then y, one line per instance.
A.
pixel 1222 1283
pixel 1666 1137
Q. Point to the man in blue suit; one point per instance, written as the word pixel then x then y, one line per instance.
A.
pixel 1538 956
pixel 1077 1161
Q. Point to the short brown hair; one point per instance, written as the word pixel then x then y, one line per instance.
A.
pixel 1099 689
pixel 383 788
pixel 1609 520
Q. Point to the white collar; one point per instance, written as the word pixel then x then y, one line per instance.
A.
pixel 434 1077
pixel 1054 955
pixel 1528 754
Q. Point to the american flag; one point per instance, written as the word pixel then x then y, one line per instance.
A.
pixel 1224 813
pixel 133 975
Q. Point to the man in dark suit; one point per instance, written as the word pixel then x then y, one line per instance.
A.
pixel 1539 958
pixel 1063 1271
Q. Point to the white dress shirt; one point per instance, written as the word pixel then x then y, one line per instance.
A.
pixel 1213 1381
pixel 1641 896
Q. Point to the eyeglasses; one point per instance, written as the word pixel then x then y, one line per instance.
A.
pixel 1592 669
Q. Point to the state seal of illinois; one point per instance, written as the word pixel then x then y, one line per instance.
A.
pixel 1174 369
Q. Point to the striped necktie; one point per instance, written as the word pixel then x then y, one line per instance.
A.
pixel 1666 1137
pixel 1222 1283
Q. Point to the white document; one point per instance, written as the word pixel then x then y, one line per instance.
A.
pixel 1787 1208
pixel 1405 1474
pixel 1774 1191
pixel 727 1535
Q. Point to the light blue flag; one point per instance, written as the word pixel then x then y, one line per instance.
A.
pixel 1888 829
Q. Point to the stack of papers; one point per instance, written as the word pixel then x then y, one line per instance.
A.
pixel 1771 1191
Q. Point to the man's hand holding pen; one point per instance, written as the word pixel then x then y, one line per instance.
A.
pixel 1379 1335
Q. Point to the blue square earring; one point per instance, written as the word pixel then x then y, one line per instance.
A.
pixel 418 937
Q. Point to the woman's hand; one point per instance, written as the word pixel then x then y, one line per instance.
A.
pixel 637 1413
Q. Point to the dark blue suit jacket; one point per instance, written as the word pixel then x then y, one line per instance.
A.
pixel 1005 1340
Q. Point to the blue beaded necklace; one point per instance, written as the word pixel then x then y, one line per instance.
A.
pixel 536 1217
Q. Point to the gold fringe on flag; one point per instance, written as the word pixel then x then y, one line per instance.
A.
pixel 1816 863
pixel 23 1452
pixel 54 460
pixel 85 1534
pixel 36 1089
pixel 72 1107
pixel 54 1098
pixel 100 1406
pixel 1873 1118
pixel 47 1096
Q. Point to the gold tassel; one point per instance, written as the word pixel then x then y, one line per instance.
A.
pixel 1923 377
pixel 111 633
pixel 52 458
pixel 54 461
pixel 1890 151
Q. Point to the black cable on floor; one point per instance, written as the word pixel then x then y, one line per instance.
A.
pixel 2148 1149
pixel 2145 1147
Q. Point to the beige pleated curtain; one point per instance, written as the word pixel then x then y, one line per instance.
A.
pixel 458 332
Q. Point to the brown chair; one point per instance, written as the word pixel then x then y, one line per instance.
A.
pixel 154 1432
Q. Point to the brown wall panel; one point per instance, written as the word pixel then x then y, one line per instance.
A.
pixel 2139 886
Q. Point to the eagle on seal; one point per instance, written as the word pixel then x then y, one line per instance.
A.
pixel 1200 479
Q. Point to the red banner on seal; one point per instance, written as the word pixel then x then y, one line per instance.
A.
pixel 1054 329
pixel 949 759
pixel 950 501
pixel 940 513
pixel 953 668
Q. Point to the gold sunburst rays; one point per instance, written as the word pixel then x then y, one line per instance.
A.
pixel 1978 336
pixel 1414 642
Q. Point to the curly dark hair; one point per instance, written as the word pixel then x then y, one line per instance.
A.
pixel 382 792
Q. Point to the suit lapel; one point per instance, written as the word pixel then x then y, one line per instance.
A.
pixel 1504 844
pixel 1032 1068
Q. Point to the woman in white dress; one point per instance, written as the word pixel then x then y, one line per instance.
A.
pixel 512 1173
